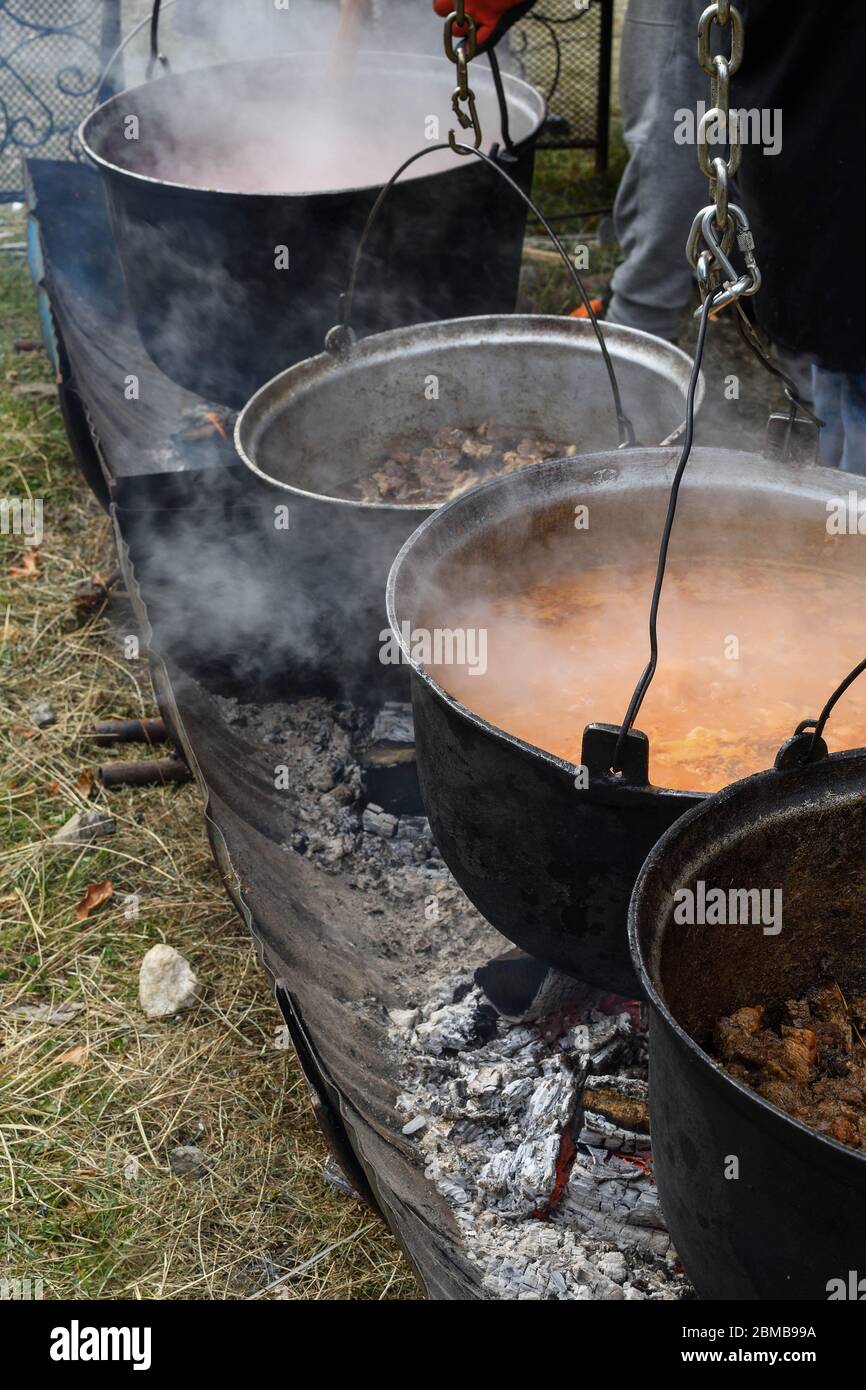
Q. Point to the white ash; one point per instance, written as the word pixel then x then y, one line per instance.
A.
pixel 319 741
pixel 498 1108
pixel 427 926
pixel 486 1101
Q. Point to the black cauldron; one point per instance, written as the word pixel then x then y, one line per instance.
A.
pixel 230 283
pixel 759 1205
pixel 551 864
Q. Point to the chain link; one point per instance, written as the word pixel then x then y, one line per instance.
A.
pixel 713 230
pixel 461 54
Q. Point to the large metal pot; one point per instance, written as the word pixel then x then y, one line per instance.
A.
pixel 760 1206
pixel 226 284
pixel 551 865
pixel 320 423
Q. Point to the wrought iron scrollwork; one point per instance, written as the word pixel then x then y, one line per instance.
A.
pixel 51 57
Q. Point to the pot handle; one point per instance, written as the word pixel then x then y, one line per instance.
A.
pixel 155 56
pixel 809 747
pixel 599 748
pixel 340 339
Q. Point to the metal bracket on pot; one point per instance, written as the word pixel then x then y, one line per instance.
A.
pixel 792 440
pixel 157 59
pixel 796 751
pixel 807 743
pixel 340 339
pixel 597 755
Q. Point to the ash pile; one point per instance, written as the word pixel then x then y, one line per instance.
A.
pixel 535 1131
pixel 538 1136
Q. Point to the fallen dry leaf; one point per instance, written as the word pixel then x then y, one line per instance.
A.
pixel 29 567
pixel 84 782
pixel 75 1056
pixel 94 896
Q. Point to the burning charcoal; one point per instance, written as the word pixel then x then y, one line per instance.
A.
pixel 526 1173
pixel 379 822
pixel 623 1103
pixel 326 774
pixel 486 1081
pixel 416 1126
pixel 449 1030
pixel 394 725
pixel 404 1019
pixel 552 1103
pixel 413 828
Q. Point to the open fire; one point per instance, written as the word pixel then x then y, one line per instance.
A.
pixel 536 1133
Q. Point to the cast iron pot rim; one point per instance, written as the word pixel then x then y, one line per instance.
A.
pixel 420 59
pixel 746 1097
pixel 316 369
pixel 454 705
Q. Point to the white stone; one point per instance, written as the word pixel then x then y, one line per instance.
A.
pixel 167 983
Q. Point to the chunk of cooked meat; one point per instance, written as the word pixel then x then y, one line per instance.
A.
pixel 812 1064
pixel 456 460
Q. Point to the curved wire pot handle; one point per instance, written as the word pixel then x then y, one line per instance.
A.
pixel 155 56
pixel 340 339
pixel 806 744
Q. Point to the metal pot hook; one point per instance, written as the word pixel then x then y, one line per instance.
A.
pixel 153 20
pixel 805 747
pixel 340 339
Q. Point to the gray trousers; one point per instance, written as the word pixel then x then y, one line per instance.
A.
pixel 662 187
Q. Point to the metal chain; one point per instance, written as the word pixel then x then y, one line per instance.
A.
pixel 713 231
pixel 461 54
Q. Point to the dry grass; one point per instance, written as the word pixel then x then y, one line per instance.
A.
pixel 90 1107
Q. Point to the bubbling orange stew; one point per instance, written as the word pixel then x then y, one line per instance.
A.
pixel 745 654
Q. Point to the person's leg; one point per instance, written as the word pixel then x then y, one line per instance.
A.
pixel 840 401
pixel 854 422
pixel 662 188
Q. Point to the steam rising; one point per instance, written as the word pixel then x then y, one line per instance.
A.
pixel 330 119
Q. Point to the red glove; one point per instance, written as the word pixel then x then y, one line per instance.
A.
pixel 492 17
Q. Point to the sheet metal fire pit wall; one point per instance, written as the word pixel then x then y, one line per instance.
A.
pixel 794 1219
pixel 319 424
pixel 551 866
pixel 213 310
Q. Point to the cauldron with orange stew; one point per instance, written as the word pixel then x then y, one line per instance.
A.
pixel 521 608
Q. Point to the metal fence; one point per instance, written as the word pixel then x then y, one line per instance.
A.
pixel 52 53
pixel 565 48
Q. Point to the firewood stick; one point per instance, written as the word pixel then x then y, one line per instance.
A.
pixel 111 731
pixel 153 772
